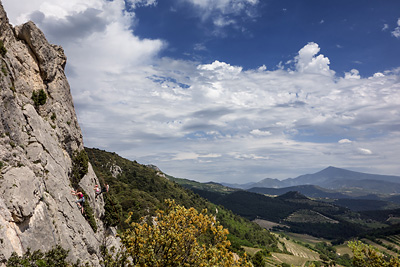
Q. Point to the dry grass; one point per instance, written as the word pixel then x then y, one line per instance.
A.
pixel 306 238
pixel 290 259
pixel 266 224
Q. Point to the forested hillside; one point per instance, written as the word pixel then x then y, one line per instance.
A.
pixel 141 189
pixel 297 212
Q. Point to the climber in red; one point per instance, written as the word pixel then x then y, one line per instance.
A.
pixel 81 198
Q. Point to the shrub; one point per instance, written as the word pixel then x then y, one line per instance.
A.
pixel 4 70
pixel 89 212
pixel 112 257
pixel 39 98
pixel 179 237
pixel 369 256
pixel 112 211
pixel 54 257
pixel 80 165
pixel 3 50
pixel 258 259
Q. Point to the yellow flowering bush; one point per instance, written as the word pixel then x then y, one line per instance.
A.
pixel 369 256
pixel 178 236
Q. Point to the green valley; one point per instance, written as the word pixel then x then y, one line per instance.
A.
pixel 286 230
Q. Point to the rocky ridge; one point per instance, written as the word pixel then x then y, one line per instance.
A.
pixel 37 144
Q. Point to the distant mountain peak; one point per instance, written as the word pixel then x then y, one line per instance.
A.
pixel 332 178
pixel 332 168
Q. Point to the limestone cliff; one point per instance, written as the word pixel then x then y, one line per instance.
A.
pixel 37 142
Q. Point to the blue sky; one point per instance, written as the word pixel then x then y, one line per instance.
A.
pixel 351 32
pixel 232 90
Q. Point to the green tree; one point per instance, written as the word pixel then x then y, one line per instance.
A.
pixel 112 210
pixel 369 256
pixel 177 236
pixel 80 165
pixel 258 259
pixel 324 258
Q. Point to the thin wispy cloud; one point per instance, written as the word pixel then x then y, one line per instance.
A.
pixel 224 13
pixel 224 6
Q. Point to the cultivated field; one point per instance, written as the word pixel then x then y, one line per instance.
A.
pixel 267 224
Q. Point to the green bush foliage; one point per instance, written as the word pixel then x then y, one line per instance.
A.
pixel 3 50
pixel 369 256
pixel 4 69
pixel 180 237
pixel 55 257
pixel 89 212
pixel 112 257
pixel 39 98
pixel 80 165
pixel 242 232
pixel 112 211
pixel 258 259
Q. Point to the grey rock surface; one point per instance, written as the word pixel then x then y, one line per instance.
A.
pixel 37 143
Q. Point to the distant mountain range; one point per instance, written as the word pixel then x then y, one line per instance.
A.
pixel 307 190
pixel 308 208
pixel 334 179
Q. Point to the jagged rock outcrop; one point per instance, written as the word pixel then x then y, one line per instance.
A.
pixel 37 143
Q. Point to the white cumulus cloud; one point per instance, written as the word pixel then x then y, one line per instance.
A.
pixel 308 62
pixel 353 74
pixel 396 31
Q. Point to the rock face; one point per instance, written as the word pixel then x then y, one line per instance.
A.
pixel 37 144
